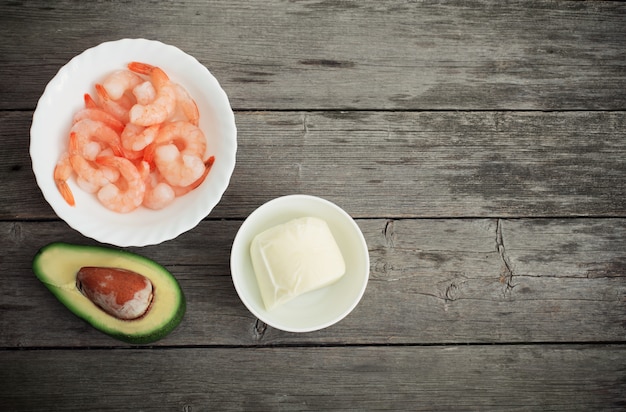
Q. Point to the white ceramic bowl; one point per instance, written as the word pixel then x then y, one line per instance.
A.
pixel 317 309
pixel 63 96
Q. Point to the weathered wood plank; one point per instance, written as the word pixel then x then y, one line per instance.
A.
pixel 368 55
pixel 413 164
pixel 512 378
pixel 536 245
pixel 431 281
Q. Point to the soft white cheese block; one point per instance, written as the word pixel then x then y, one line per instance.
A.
pixel 294 258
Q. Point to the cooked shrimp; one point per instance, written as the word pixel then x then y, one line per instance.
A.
pixel 119 82
pixel 109 173
pixel 86 186
pixel 179 149
pixel 88 131
pixel 163 106
pixel 118 108
pixel 136 142
pixel 181 191
pixel 188 138
pixel 187 105
pixel 62 173
pixel 159 196
pixel 159 193
pixel 178 169
pixel 133 155
pixel 136 138
pixel 100 116
pixel 144 93
pixel 127 194
pixel 88 172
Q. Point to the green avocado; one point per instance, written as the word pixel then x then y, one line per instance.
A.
pixel 56 265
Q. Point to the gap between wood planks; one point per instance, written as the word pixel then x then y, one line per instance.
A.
pixel 314 345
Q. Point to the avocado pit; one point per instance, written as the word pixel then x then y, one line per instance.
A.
pixel 121 293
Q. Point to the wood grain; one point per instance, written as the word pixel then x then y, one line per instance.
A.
pixel 365 55
pixel 558 378
pixel 401 165
pixel 431 282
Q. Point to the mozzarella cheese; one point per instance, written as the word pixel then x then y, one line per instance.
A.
pixel 295 258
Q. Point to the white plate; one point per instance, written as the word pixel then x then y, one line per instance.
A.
pixel 314 310
pixel 63 96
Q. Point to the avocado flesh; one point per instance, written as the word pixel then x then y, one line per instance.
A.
pixel 56 265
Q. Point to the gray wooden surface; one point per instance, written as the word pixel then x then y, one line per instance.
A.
pixel 480 146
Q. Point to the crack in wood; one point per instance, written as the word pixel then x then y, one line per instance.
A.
pixel 259 329
pixel 389 233
pixel 506 276
pixel 305 125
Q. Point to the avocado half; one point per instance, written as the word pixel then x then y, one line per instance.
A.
pixel 56 265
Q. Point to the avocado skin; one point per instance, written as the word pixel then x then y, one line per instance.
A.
pixel 156 335
pixel 143 337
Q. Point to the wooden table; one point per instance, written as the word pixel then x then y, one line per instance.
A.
pixel 479 145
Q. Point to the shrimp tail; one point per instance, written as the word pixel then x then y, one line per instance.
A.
pixel 207 168
pixel 158 76
pixel 62 171
pixel 102 93
pixel 90 103
pixel 142 68
pixel 65 191
pixel 118 108
pixel 209 162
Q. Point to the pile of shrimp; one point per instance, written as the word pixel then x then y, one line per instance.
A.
pixel 137 143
